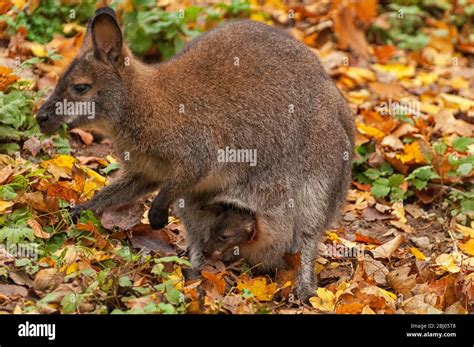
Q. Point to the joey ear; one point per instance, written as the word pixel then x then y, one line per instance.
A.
pixel 252 231
pixel 106 35
pixel 214 208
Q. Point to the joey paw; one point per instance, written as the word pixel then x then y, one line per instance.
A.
pixel 158 218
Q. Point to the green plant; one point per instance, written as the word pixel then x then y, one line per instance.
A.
pixel 48 19
pixel 148 26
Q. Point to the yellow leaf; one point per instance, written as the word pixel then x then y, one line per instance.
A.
pixel 448 262
pixel 332 236
pixel 398 70
pixel 370 131
pixel 468 232
pixel 111 159
pixel 428 108
pixel 259 17
pixel 412 154
pixel 177 278
pixel 358 74
pixel 59 166
pixel 358 97
pixel 417 253
pixel 38 50
pixel 94 175
pixel 19 3
pixel 324 301
pixel 71 268
pixel 258 287
pixel 425 78
pixel 468 247
pixel 70 27
pixel 399 211
pixel 457 101
pixel 4 205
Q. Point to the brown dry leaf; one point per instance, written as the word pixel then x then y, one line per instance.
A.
pixel 213 282
pixel 33 145
pixel 6 77
pixel 149 240
pixel 11 290
pixel 68 48
pixel 401 282
pixel 38 230
pixel 47 280
pixel 5 174
pixel 348 33
pixel 376 270
pixel 384 53
pixel 123 217
pixel 392 90
pixel 446 124
pixel 387 249
pixel 85 136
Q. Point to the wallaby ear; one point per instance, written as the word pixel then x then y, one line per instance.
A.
pixel 214 208
pixel 106 35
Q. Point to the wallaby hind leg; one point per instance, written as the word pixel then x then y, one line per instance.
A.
pixel 305 282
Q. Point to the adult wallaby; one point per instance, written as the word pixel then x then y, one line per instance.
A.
pixel 184 126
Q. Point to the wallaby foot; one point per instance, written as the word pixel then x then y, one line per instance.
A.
pixel 191 274
pixel 305 283
pixel 158 218
pixel 304 290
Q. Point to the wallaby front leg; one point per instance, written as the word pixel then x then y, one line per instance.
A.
pixel 117 193
pixel 158 214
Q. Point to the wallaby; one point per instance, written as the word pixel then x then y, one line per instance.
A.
pixel 243 115
pixel 233 228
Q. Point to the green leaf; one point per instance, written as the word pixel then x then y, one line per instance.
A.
pixel 462 144
pixel 125 282
pixel 380 188
pixel 173 259
pixel 371 173
pixel 464 169
pixel 16 234
pixel 440 148
pixel 395 180
pixel 111 167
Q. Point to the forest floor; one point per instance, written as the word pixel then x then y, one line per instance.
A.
pixel 405 239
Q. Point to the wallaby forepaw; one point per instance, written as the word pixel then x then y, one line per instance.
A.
pixel 158 218
pixel 76 211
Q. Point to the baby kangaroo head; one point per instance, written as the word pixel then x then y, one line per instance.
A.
pixel 90 92
pixel 232 228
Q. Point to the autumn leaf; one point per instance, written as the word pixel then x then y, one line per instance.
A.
pixel 258 286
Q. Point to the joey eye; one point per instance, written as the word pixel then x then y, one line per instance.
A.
pixel 82 88
pixel 223 237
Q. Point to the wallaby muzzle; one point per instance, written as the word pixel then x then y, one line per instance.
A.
pixel 47 119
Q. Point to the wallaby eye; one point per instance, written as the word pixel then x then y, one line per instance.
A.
pixel 81 88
